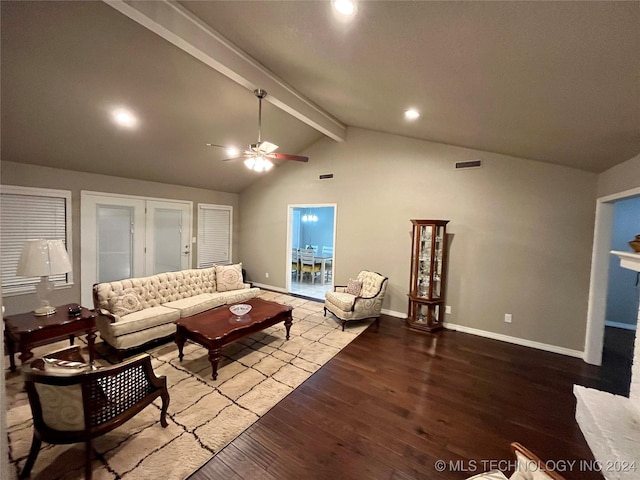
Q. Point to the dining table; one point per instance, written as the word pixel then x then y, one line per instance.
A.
pixel 322 260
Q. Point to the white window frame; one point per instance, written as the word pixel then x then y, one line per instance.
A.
pixel 30 286
pixel 201 254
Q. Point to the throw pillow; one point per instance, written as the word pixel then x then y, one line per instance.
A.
pixel 354 287
pixel 229 277
pixel 124 304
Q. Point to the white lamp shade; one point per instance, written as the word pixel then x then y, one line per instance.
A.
pixel 41 258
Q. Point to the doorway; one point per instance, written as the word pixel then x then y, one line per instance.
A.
pixel 125 236
pixel 600 264
pixel 311 227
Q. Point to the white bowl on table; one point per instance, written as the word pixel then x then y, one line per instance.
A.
pixel 240 309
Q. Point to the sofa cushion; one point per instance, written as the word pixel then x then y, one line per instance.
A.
pixel 125 303
pixel 196 304
pixel 144 319
pixel 342 300
pixel 241 295
pixel 229 277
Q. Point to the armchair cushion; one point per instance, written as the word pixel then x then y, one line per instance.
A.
pixel 343 300
pixel 372 283
pixel 354 287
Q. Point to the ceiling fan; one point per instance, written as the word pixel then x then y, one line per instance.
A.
pixel 257 156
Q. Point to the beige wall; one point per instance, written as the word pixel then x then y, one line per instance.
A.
pixel 620 178
pixel 44 177
pixel 521 231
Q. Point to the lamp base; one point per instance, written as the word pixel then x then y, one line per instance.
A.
pixel 43 311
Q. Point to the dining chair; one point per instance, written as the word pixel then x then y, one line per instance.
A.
pixel 308 264
pixel 295 263
pixel 328 264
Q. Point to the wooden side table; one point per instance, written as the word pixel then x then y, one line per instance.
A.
pixel 26 331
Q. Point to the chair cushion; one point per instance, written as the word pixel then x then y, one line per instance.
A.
pixel 492 475
pixel 354 287
pixel 371 283
pixel 62 407
pixel 342 300
pixel 229 277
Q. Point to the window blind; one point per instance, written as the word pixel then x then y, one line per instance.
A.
pixel 27 214
pixel 214 235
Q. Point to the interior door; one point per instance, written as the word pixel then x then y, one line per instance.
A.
pixel 125 237
pixel 112 240
pixel 168 247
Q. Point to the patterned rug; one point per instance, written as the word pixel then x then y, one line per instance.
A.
pixel 204 415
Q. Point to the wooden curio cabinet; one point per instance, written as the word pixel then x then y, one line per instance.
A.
pixel 428 272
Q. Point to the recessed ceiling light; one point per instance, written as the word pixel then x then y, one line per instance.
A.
pixel 124 118
pixel 411 114
pixel 345 7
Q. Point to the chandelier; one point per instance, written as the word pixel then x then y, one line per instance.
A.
pixel 258 164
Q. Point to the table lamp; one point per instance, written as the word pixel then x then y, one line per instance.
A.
pixel 41 258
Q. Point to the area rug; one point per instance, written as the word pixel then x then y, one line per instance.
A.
pixel 204 415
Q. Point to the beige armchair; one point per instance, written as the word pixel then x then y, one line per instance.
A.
pixel 361 299
pixel 72 402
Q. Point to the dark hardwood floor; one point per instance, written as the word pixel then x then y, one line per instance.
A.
pixel 394 402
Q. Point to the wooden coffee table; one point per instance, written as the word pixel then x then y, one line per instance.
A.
pixel 218 327
pixel 27 331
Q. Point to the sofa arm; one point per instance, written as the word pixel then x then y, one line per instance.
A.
pixel 101 312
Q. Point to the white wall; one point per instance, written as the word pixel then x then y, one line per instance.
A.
pixel 520 231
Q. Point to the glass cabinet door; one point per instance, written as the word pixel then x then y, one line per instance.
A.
pixel 424 261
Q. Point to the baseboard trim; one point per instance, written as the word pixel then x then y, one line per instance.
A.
pixel 269 287
pixel 393 313
pixel 518 341
pixel 625 326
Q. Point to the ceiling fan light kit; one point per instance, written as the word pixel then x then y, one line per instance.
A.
pixel 258 156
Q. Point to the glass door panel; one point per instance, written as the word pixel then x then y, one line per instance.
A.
pixel 114 242
pixel 168 237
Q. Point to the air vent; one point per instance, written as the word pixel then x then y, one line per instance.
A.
pixel 326 176
pixel 469 164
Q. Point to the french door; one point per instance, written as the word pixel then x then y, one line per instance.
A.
pixel 125 236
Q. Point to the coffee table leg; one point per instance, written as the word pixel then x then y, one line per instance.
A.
pixel 214 358
pixel 287 324
pixel 180 340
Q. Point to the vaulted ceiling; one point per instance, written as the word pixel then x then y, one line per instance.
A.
pixel 557 82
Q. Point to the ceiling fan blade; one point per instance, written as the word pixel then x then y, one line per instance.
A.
pixel 286 156
pixel 216 145
pixel 235 158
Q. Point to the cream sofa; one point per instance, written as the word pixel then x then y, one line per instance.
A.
pixel 136 311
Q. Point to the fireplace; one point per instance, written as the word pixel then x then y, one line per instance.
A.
pixel 611 423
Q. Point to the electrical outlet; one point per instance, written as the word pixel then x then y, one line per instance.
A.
pixel 266 275
pixel 447 309
pixel 507 318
